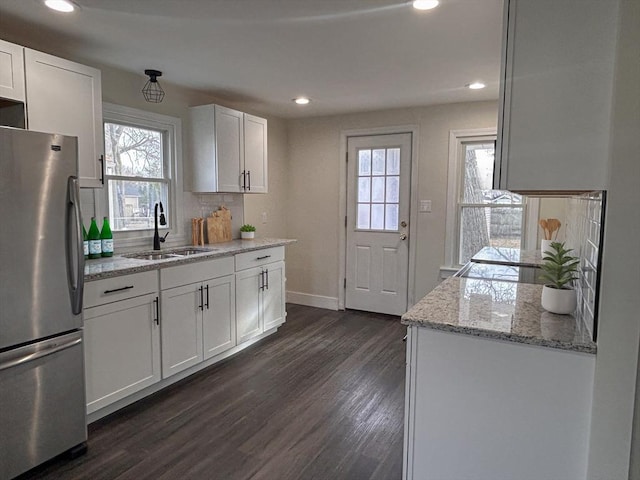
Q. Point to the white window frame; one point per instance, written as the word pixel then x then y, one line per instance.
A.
pixel 457 139
pixel 172 138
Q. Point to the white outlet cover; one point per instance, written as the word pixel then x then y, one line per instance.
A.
pixel 425 206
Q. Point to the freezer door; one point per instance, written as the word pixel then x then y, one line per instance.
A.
pixel 41 260
pixel 42 402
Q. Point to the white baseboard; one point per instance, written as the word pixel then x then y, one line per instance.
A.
pixel 299 298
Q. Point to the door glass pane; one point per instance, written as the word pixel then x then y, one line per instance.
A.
pixel 391 218
pixel 377 190
pixel 393 161
pixel 377 216
pixel 364 189
pixel 363 216
pixel 393 189
pixel 364 162
pixel 378 162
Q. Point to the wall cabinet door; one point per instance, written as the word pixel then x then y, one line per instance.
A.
pixel 229 150
pixel 248 304
pixel 556 89
pixel 11 71
pixel 273 296
pixel 219 315
pixel 255 154
pixel 121 349
pixel 181 324
pixel 65 97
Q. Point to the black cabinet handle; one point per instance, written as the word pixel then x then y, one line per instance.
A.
pixel 106 292
pixel 266 274
pixel 201 306
pixel 101 160
pixel 207 287
pixel 262 258
pixel 261 287
pixel 244 179
pixel 157 319
pixel 249 176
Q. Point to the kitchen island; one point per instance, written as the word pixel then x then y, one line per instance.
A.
pixel 497 388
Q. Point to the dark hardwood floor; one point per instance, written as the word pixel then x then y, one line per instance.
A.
pixel 321 399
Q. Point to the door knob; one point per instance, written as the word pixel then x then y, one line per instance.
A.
pixel 403 236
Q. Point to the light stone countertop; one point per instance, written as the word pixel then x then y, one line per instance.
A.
pixel 509 256
pixel 497 309
pixel 120 265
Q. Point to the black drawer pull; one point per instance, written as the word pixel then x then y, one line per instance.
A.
pixel 118 289
pixel 262 258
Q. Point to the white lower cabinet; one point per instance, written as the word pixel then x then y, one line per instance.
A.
pixel 260 299
pixel 481 408
pixel 181 328
pixel 122 349
pixel 198 318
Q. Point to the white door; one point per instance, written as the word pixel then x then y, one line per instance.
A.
pixel 229 148
pixel 249 285
pixel 255 154
pixel 273 298
pixel 219 315
pixel 378 183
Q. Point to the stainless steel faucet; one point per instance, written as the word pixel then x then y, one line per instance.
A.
pixel 163 221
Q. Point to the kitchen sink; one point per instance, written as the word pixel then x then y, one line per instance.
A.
pixel 190 251
pixel 152 256
pixel 169 254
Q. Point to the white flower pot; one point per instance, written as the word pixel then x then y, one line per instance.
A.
pixel 556 300
pixel 545 245
pixel 247 235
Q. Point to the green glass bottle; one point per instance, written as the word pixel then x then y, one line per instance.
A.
pixel 106 238
pixel 95 245
pixel 85 242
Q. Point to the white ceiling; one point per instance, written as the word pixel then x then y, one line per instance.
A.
pixel 346 55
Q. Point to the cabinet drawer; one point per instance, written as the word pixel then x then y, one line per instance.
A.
pixel 113 289
pixel 257 258
pixel 195 272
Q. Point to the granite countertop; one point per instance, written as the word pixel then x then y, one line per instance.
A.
pixel 121 265
pixel 497 309
pixel 509 256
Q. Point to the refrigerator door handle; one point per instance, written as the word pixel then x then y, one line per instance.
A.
pixel 34 352
pixel 74 236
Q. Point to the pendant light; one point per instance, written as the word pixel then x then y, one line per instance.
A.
pixel 152 90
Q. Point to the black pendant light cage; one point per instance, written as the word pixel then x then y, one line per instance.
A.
pixel 152 90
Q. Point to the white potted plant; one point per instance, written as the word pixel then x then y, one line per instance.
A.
pixel 247 231
pixel 559 270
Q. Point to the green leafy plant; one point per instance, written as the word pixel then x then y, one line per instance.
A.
pixel 247 228
pixel 559 267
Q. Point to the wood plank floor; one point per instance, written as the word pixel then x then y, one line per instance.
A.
pixel 323 398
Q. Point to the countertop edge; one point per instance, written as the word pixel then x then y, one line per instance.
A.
pixel 229 248
pixel 476 332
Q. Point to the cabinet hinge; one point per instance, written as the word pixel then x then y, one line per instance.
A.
pixel 345 283
pixel 346 157
pixel 345 221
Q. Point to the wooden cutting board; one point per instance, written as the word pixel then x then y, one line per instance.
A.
pixel 219 226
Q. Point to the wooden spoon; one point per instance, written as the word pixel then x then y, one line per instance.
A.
pixel 544 224
pixel 554 225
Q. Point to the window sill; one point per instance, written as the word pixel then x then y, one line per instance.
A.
pixel 446 272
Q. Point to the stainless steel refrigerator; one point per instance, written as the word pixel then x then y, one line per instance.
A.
pixel 42 396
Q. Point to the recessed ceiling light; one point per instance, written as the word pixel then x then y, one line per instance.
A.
pixel 301 100
pixel 425 4
pixel 476 85
pixel 60 5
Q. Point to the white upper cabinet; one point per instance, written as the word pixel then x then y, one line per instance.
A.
pixel 556 89
pixel 228 150
pixel 11 71
pixel 66 97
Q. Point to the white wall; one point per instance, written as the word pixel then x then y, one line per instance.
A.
pixel 619 321
pixel 315 166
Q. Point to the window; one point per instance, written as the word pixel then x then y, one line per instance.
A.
pixel 477 215
pixel 142 166
pixel 378 189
